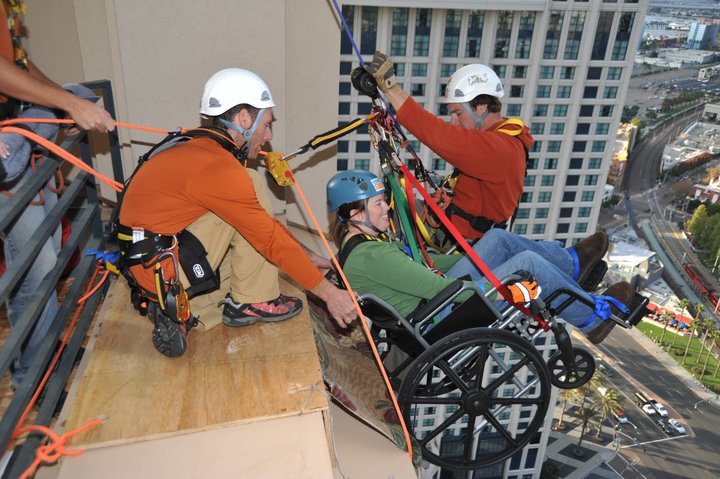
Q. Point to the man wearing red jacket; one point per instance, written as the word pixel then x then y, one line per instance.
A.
pixel 489 150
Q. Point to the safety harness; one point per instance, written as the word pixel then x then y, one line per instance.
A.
pixel 139 246
pixel 480 223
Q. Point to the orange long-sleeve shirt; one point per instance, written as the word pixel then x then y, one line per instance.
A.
pixel 492 163
pixel 179 185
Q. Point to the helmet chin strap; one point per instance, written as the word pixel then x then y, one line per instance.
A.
pixel 479 119
pixel 365 223
pixel 246 134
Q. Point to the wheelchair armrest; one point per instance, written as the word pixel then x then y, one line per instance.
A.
pixel 380 312
pixel 442 298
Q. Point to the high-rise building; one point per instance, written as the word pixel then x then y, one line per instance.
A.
pixel 565 66
pixel 702 34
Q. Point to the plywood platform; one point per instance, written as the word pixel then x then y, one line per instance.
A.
pixel 227 377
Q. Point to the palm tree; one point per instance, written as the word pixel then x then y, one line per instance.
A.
pixel 666 316
pixel 607 402
pixel 587 413
pixel 566 395
pixel 713 336
pixel 708 325
pixel 683 303
pixel 695 325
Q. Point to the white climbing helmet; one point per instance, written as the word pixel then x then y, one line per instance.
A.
pixel 234 86
pixel 471 81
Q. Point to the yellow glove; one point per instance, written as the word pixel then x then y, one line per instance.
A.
pixel 524 289
pixel 381 68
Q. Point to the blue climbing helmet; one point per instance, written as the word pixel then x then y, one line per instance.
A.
pixel 352 185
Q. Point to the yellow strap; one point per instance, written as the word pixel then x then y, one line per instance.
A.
pixel 513 131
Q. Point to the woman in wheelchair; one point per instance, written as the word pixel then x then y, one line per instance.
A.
pixel 375 265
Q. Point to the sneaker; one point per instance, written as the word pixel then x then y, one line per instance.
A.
pixel 244 314
pixel 623 292
pixel 169 337
pixel 589 252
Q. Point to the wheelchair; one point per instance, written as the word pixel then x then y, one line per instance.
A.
pixel 472 387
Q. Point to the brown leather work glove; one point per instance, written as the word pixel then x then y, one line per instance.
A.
pixel 381 68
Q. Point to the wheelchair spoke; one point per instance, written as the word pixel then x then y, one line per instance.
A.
pixel 517 400
pixel 508 374
pixel 452 375
pixel 480 362
pixel 435 400
pixel 469 449
pixel 443 426
pixel 501 429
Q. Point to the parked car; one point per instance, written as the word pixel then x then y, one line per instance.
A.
pixel 605 370
pixel 649 409
pixel 676 424
pixel 660 409
pixel 619 414
pixel 665 426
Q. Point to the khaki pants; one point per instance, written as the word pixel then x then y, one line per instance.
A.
pixel 248 276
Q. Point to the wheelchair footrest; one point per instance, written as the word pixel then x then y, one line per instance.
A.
pixel 638 310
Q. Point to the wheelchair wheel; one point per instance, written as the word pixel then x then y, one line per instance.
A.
pixel 475 398
pixel 565 377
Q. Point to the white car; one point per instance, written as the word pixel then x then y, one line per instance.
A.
pixel 649 409
pixel 678 427
pixel 660 409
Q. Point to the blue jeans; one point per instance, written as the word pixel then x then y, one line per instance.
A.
pixel 21 231
pixel 551 265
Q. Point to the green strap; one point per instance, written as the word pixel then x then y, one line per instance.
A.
pixel 403 212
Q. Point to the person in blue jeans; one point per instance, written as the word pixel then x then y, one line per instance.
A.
pixel 26 92
pixel 381 267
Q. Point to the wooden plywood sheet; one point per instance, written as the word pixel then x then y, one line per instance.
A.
pixel 227 376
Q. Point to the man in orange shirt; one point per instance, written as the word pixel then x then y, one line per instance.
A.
pixel 202 188
pixel 488 150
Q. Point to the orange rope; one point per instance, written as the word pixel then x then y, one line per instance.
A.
pixel 53 451
pixel 366 330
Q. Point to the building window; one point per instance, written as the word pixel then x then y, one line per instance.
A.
pixel 423 19
pixel 541 213
pixel 544 197
pixel 446 70
pixel 581 228
pixel 520 229
pixel 560 110
pixel 516 91
pixel 344 108
pixel 536 147
pixel 476 19
pixel 529 180
pixel 553 33
pixel 547 180
pixel 502 34
pixel 582 129
pixel 614 73
pixel 567 73
pixel 500 70
pixel 587 196
pixel 439 164
pixel 342 165
pixel 586 110
pixel 568 196
pixel 622 37
pixel 564 91
pixel 513 109
pixel 598 146
pixel 576 163
pixel 523 213
pixel 346 47
pixel 362 165
pixel 557 128
pixel 584 212
pixel 554 146
pixel 368 29
pixel 538 229
pixel 543 91
pixel 606 110
pixel 590 92
pixel 532 164
pixel 572 180
pixel 566 212
pixel 540 110
pixel 579 146
pixel 551 163
pixel 574 35
pixel 526 197
pixel 525 33
pixel 562 228
pixel 594 163
pixel 453 19
pixel 537 128
pixel 398 39
pixel 602 128
pixel 610 92
pixel 602 35
pixel 594 73
pixel 520 71
pixel 417 89
pixel 419 69
pixel 591 180
pixel 547 73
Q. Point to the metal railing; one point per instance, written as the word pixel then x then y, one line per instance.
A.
pixel 80 204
